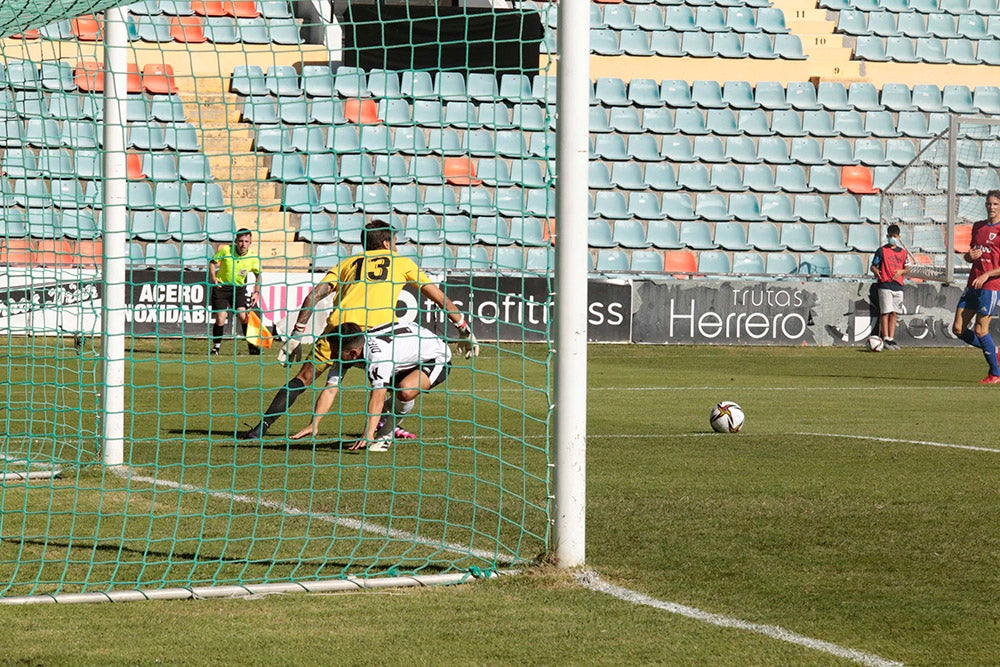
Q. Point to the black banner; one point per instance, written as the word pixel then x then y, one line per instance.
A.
pixel 168 303
pixel 25 299
pixel 442 38
pixel 507 308
pixel 720 312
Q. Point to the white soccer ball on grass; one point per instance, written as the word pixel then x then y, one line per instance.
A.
pixel 875 344
pixel 727 417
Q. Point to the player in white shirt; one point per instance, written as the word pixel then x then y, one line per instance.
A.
pixel 402 358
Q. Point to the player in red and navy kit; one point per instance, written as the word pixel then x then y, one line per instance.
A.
pixel 891 262
pixel 982 293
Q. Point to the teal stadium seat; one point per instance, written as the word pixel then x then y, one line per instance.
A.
pixel 745 207
pixel 186 227
pixel 811 208
pixel 830 238
pixel 764 236
pixel 777 207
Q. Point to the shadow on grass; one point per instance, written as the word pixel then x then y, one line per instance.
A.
pixel 177 557
pixel 274 442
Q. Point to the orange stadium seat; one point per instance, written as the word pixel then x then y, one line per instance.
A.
pixel 27 34
pixel 133 164
pixel 549 231
pixel 681 263
pixel 88 28
pixel 963 238
pixel 460 171
pixel 362 112
pixel 158 79
pixel 187 29
pixel 858 179
pixel 53 252
pixel 87 253
pixel 88 75
pixel 209 8
pixel 15 252
pixel 243 9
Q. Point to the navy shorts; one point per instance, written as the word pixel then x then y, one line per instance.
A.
pixel 983 301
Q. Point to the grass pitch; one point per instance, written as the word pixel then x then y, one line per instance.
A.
pixel 857 507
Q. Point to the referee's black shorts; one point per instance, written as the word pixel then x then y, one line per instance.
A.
pixel 228 297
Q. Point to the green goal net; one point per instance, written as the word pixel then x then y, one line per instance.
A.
pixel 301 127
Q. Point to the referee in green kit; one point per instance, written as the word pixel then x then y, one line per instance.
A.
pixel 227 272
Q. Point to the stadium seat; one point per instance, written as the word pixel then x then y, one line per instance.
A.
pixel 676 94
pixel 681 264
pixel 863 238
pixel 611 204
pixel 624 120
pixel 677 149
pixel 696 234
pixel 598 234
pixel 73 224
pixel 844 209
pixel 814 264
pixel 663 234
pixel 880 124
pixel 848 265
pixel 67 193
pixel 810 208
pixel 739 95
pixel 55 163
pixel 677 206
pixel 220 30
pixel 791 178
pixel 727 178
pixel 830 238
pixel 626 176
pixel 861 96
pixel 741 150
pixel 709 149
pixel 644 206
pixel 694 177
pixel 777 207
pixel 714 264
pixel 807 151
pixel 798 237
pixel 337 198
pixel 252 30
pixel 825 179
pixel 658 120
pixel 857 180
pixel 731 235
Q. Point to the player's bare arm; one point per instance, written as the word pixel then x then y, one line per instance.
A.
pixel 306 310
pixel 376 400
pixel 323 405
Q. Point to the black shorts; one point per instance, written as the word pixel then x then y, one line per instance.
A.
pixel 228 297
pixel 436 373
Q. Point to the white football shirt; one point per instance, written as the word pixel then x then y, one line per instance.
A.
pixel 399 347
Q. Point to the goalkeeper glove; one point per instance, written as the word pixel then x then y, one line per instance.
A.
pixel 467 343
pixel 291 352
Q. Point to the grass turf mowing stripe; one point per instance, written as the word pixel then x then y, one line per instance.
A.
pixel 592 581
pixel 126 473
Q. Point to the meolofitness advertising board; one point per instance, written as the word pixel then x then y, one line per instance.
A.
pixel 509 308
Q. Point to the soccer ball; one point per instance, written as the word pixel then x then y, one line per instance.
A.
pixel 875 344
pixel 727 417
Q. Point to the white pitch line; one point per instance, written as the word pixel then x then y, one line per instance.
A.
pixel 592 581
pixel 126 473
pixel 927 443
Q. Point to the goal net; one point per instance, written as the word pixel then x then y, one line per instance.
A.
pixel 938 194
pixel 301 127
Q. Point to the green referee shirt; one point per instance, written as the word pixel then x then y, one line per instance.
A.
pixel 233 269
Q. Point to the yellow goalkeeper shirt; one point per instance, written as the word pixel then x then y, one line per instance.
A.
pixel 368 287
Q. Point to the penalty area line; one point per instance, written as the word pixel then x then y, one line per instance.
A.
pixel 126 473
pixel 901 441
pixel 592 581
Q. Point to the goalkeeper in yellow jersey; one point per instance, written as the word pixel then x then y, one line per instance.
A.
pixel 366 288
